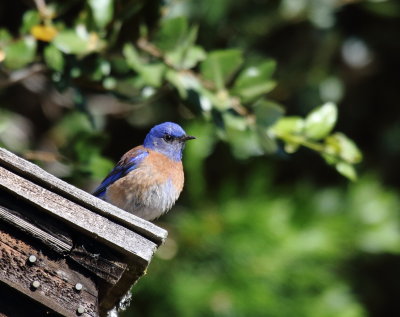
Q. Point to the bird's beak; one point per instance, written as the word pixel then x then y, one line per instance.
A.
pixel 187 137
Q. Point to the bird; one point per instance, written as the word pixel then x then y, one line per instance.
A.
pixel 149 178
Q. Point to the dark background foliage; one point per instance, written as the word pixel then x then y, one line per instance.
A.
pixel 276 234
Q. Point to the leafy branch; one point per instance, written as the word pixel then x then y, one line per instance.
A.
pixel 221 85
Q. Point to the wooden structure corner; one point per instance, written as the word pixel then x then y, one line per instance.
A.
pixel 62 250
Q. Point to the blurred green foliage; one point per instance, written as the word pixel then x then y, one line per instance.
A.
pixel 262 251
pixel 263 228
pixel 220 85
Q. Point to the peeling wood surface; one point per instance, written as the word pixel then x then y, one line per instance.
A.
pixel 93 225
pixel 57 279
pixel 52 183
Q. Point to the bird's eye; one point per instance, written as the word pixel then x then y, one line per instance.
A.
pixel 168 138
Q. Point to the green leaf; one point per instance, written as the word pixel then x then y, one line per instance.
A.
pixel 30 19
pixel 5 37
pixel 152 74
pixel 320 122
pixel 288 125
pixel 254 81
pixel 221 65
pixel 102 11
pixel 172 33
pixel 54 58
pixel 347 170
pixel 132 57
pixel 20 53
pixel 267 143
pixel 267 113
pixel 245 142
pixel 109 83
pixel 340 145
pixel 193 56
pixel 70 42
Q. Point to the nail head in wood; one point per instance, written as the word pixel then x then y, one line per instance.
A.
pixel 35 284
pixel 32 259
pixel 80 310
pixel 78 287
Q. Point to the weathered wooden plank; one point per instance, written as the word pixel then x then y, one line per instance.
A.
pixel 108 269
pixel 115 236
pixel 47 280
pixel 11 218
pixel 52 183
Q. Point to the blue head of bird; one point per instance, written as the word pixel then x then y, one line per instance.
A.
pixel 167 138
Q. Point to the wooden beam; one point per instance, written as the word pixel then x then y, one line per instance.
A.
pixel 97 227
pixel 22 167
pixel 11 217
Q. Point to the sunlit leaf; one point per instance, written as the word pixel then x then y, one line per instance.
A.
pixel 193 56
pixel 132 57
pixel 254 81
pixel 109 83
pixel 153 73
pixel 20 53
pixel 288 125
pixel 54 58
pixel 29 19
pixel 102 11
pixel 340 145
pixel 221 65
pixel 70 42
pixel 320 122
pixel 346 170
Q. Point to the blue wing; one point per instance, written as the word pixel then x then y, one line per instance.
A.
pixel 125 165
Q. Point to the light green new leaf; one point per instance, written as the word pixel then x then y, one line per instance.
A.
pixel 193 56
pixel 20 53
pixel 54 58
pixel 70 42
pixel 254 81
pixel 30 19
pixel 320 122
pixel 132 57
pixel 152 74
pixel 102 11
pixel 288 125
pixel 347 170
pixel 221 65
pixel 340 145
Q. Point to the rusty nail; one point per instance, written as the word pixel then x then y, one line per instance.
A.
pixel 35 284
pixel 78 287
pixel 32 259
pixel 80 310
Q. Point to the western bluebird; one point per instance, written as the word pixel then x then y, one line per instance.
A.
pixel 149 178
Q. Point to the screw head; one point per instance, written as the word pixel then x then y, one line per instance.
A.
pixel 78 287
pixel 32 259
pixel 80 310
pixel 35 284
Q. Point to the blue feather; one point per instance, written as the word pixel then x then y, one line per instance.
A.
pixel 119 171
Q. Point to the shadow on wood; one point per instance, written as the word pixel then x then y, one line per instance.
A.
pixel 62 250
